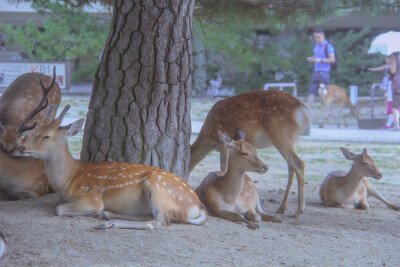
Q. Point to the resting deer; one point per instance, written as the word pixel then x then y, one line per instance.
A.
pixel 351 189
pixel 3 248
pixel 116 190
pixel 267 118
pixel 233 195
pixel 23 177
pixel 334 95
pixel 19 99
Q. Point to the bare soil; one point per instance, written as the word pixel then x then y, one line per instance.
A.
pixel 320 237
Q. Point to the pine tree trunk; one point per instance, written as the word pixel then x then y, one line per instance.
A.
pixel 139 110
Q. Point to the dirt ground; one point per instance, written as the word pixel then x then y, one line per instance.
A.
pixel 320 237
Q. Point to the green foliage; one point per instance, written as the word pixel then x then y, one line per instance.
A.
pixel 246 65
pixel 67 33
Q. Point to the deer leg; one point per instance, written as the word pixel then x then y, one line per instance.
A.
pixel 295 163
pixel 80 207
pixel 264 216
pixel 372 191
pixel 235 217
pixel 107 215
pixel 198 151
pixel 284 203
pixel 120 224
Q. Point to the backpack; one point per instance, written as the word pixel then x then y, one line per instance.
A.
pixel 333 65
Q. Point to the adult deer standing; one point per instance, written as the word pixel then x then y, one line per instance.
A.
pixel 110 189
pixel 351 189
pixel 332 94
pixel 233 195
pixel 24 177
pixel 267 118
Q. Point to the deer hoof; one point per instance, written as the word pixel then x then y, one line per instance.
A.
pixel 280 210
pixel 253 226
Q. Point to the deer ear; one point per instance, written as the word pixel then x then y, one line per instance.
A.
pixel 224 138
pixel 349 155
pixel 51 112
pixel 239 135
pixel 364 152
pixel 73 128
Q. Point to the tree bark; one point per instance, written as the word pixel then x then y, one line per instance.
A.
pixel 139 110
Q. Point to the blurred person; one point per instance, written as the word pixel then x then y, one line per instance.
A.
pixel 395 71
pixel 386 86
pixel 324 56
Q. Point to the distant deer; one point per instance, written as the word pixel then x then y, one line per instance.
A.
pixel 351 189
pixel 3 248
pixel 116 190
pixel 23 177
pixel 334 95
pixel 267 118
pixel 233 195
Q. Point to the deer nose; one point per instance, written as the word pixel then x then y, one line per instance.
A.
pixel 21 149
pixel 265 167
pixel 379 176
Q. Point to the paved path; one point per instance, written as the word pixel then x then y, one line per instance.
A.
pixel 332 133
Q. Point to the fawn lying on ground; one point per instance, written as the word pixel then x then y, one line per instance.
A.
pixel 233 194
pixel 116 190
pixel 351 189
pixel 267 118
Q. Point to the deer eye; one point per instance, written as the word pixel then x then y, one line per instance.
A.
pixel 244 154
pixel 46 137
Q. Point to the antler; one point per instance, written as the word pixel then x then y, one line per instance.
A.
pixel 42 105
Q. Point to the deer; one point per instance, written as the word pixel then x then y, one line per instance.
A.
pixel 267 118
pixel 129 193
pixel 351 189
pixel 19 99
pixel 332 95
pixel 3 248
pixel 23 177
pixel 233 195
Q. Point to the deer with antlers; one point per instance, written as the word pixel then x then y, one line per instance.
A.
pixel 267 118
pixel 351 189
pixel 24 177
pixel 112 190
pixel 332 96
pixel 233 195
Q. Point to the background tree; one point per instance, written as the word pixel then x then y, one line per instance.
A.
pixel 67 34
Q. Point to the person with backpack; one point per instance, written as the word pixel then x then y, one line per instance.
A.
pixel 324 60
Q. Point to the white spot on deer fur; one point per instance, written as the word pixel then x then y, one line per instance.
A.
pixel 164 184
pixel 114 178
pixel 130 176
pixel 191 191
pixel 157 186
pixel 159 178
pixel 180 198
pixel 89 174
pixel 184 184
pixel 164 173
pixel 123 169
pixel 119 174
pixel 176 178
pixel 138 181
pixel 170 191
pixel 147 182
pixel 181 188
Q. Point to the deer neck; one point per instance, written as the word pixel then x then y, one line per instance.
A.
pixel 232 182
pixel 61 168
pixel 352 181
